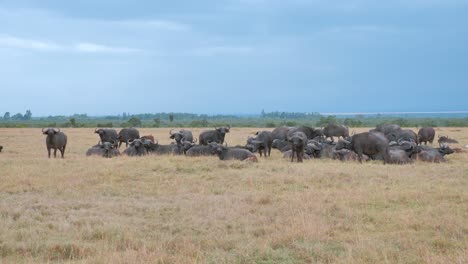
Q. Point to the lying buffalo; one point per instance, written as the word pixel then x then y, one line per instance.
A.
pixel 55 140
pixel 444 140
pixel 298 141
pixel 136 148
pixel 182 135
pixel 158 149
pixel 226 153
pixel 127 134
pixel 313 148
pixel 332 130
pixel 402 134
pixel 371 144
pixel 106 150
pixel 107 135
pixel 148 137
pixel 347 155
pixel 426 134
pixel 217 135
pixel 289 155
pixel 261 142
pixel 436 155
pixel 200 150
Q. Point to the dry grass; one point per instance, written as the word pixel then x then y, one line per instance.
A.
pixel 202 210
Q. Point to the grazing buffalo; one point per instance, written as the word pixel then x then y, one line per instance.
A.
pixel 107 135
pixel 281 145
pixel 371 144
pixel 226 153
pixel 106 150
pixel 148 137
pixel 127 134
pixel 261 142
pixel 55 140
pixel 298 141
pixel 136 148
pixel 386 128
pixel 158 149
pixel 182 135
pixel 426 134
pixel 331 131
pixel 443 140
pixel 217 135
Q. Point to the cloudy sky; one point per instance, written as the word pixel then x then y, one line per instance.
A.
pixel 233 56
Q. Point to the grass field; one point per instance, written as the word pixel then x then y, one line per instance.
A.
pixel 175 209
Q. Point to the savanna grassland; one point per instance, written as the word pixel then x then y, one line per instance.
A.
pixel 175 209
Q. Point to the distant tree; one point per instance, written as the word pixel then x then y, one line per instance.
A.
pixel 18 116
pixel 27 115
pixel 263 113
pixel 73 122
pixel 134 122
pixel 171 117
pixel 325 121
pixel 157 122
pixel 6 116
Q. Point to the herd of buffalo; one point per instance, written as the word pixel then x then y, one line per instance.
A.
pixel 389 143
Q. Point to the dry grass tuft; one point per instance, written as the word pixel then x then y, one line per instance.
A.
pixel 201 210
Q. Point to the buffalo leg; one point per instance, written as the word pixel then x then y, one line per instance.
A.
pixel 292 156
pixel 62 150
pixel 48 151
pixel 299 156
pixel 55 153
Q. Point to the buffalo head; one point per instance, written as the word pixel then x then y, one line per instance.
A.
pixel 50 131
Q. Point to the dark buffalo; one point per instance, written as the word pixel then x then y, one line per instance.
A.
pixel 331 131
pixel 436 155
pixel 371 144
pixel 288 155
pixel 402 134
pixel 298 141
pixel 182 135
pixel 328 151
pixel 280 133
pixel 347 155
pixel 200 150
pixel 55 140
pixel 226 153
pixel 310 132
pixel 443 140
pixel 217 135
pixel 398 156
pixel 185 146
pixel 386 128
pixel 136 148
pixel 106 150
pixel 281 145
pixel 426 134
pixel 158 149
pixel 127 134
pixel 261 142
pixel 313 148
pixel 107 135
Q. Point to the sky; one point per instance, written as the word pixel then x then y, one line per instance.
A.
pixel 233 56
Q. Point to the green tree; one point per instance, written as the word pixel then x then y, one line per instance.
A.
pixel 171 117
pixel 73 122
pixel 134 122
pixel 27 115
pixel 6 116
pixel 18 116
pixel 157 122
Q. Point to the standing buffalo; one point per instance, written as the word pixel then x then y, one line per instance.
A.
pixel 107 135
pixel 55 140
pixel 261 142
pixel 225 153
pixel 106 150
pixel 331 131
pixel 281 145
pixel 280 133
pixel 136 148
pixel 216 135
pixel 182 135
pixel 127 134
pixel 371 144
pixel 298 141
pixel 426 134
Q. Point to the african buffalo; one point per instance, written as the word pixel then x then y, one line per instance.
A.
pixel 347 155
pixel 426 134
pixel 127 134
pixel 107 135
pixel 136 148
pixel 181 135
pixel 332 130
pixel 261 142
pixel 148 137
pixel 281 145
pixel 402 134
pixel 288 155
pixel 55 140
pixel 367 143
pixel 443 140
pixel 200 150
pixel 313 148
pixel 106 150
pixel 226 153
pixel 386 128
pixel 280 133
pixel 158 149
pixel 217 135
pixel 436 155
pixel 298 141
